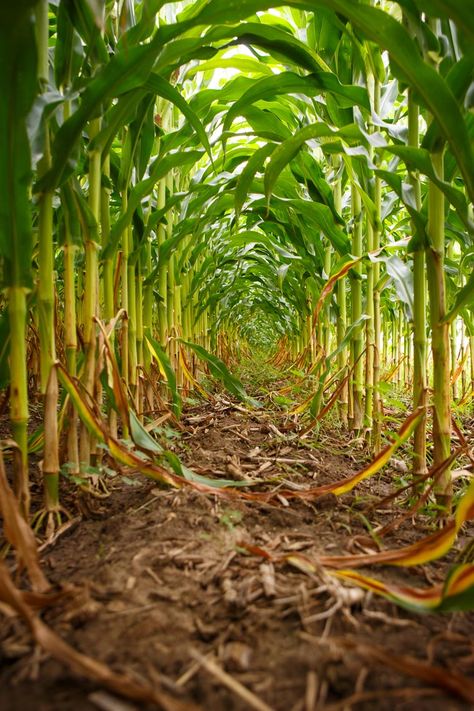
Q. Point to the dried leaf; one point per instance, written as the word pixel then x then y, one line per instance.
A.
pixel 19 534
pixel 455 683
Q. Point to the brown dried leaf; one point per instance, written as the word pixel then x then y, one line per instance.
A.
pixel 19 534
pixel 455 683
pixel 267 572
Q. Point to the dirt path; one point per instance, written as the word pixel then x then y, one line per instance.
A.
pixel 165 580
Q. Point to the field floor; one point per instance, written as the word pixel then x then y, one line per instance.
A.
pixel 212 600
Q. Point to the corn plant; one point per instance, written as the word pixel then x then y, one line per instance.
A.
pixel 186 181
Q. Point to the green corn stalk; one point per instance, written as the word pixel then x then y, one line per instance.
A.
pixel 341 317
pixel 70 319
pixel 439 333
pixel 471 359
pixel 435 256
pixel 378 331
pixel 327 326
pixel 453 333
pixel 70 335
pixel 148 298
pixel 45 219
pixel 132 319
pixel 171 315
pixel 163 273
pixel 108 262
pixel 46 291
pixel 369 333
pixel 18 84
pixel 139 315
pixel 107 282
pixel 356 313
pixel 419 312
pixel 124 273
pixel 87 443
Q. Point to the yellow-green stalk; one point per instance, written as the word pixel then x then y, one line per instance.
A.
pixel 439 332
pixel 356 308
pixel 327 327
pixel 435 255
pixel 171 287
pixel 132 319
pixel 19 391
pixel 108 264
pixel 148 299
pixel 18 71
pixel 70 329
pixel 369 334
pixel 378 331
pixel 419 312
pixel 453 333
pixel 124 291
pixel 471 359
pixel 45 219
pixel 162 272
pixel 341 316
pixel 70 336
pixel 87 445
pixel 46 294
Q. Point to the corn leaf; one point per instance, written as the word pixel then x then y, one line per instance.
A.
pixel 220 371
pixel 166 369
pixel 455 595
pixel 289 83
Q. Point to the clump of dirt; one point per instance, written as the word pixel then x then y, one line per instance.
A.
pixel 172 593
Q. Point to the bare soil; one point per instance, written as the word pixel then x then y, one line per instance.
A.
pixel 164 578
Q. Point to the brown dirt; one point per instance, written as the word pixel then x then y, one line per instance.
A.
pixel 162 576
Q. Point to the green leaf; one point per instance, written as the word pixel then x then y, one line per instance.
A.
pixel 18 89
pixel 464 297
pixel 145 27
pixel 407 195
pixel 244 182
pixel 166 369
pixel 432 89
pixel 462 13
pixel 242 64
pixel 119 115
pixel 318 215
pixel 161 87
pixel 275 41
pixel 419 159
pixel 220 371
pixel 127 70
pixel 289 83
pixel 158 170
pixel 285 152
pixel 82 18
pixel 403 279
pixel 68 48
pixel 88 417
pixel 141 437
pixel 188 474
pixel 250 238
pixel 350 331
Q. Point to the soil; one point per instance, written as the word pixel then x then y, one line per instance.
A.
pixel 164 577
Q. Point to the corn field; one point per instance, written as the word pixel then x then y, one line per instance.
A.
pixel 283 192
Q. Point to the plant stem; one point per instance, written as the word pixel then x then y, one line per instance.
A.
pixel 439 334
pixel 19 391
pixel 356 303
pixel 341 316
pixel 419 312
